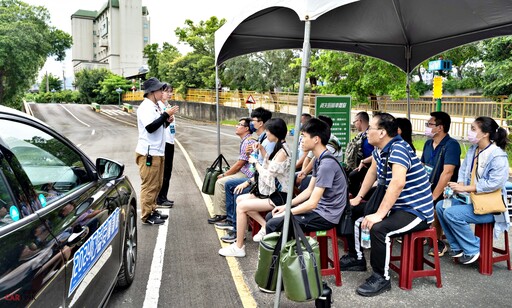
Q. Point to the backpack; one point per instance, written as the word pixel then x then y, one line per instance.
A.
pixel 354 152
pixel 336 145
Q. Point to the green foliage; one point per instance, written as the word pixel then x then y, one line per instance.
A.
pixel 201 36
pixel 151 52
pixel 498 66
pixel 66 96
pixel 26 40
pixel 192 71
pixel 108 88
pixel 88 84
pixel 53 83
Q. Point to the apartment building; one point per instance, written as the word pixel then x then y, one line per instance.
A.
pixel 113 37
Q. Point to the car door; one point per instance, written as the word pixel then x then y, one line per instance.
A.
pixel 29 254
pixel 80 212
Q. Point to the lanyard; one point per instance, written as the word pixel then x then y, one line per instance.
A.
pixel 476 158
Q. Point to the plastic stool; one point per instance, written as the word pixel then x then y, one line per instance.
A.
pixel 487 258
pixel 325 261
pixel 255 227
pixel 412 259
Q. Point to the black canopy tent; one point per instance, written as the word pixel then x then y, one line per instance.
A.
pixel 401 32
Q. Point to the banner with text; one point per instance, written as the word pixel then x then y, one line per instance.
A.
pixel 338 109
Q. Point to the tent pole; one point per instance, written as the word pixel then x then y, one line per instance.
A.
pixel 217 107
pixel 408 90
pixel 306 51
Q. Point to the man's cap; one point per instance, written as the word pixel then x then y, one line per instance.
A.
pixel 152 85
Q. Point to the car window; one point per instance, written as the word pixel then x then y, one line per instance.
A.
pixel 8 211
pixel 53 168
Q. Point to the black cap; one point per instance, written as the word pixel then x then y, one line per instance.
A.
pixel 152 85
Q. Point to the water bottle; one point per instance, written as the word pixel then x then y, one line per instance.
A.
pixel 252 167
pixel 448 192
pixel 365 238
pixel 324 301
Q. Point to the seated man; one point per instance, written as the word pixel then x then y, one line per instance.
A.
pixel 320 205
pixel 407 205
pixel 238 170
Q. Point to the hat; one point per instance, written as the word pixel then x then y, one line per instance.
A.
pixel 152 85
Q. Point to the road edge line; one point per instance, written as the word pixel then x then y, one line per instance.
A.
pixel 241 286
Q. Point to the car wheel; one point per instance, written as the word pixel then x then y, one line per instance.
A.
pixel 127 271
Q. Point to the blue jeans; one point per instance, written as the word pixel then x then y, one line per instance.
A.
pixel 231 198
pixel 455 222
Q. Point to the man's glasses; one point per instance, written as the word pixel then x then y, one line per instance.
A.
pixel 241 124
pixel 427 124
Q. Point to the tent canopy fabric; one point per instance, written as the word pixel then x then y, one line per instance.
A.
pixel 402 32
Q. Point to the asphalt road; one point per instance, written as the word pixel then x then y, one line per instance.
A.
pixel 193 274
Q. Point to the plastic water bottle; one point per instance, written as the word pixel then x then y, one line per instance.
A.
pixel 325 299
pixel 448 192
pixel 252 167
pixel 365 238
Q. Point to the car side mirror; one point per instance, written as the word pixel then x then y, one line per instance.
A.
pixel 108 169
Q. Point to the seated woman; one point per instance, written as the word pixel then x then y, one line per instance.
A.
pixel 489 161
pixel 275 166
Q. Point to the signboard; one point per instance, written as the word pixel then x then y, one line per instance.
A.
pixel 338 109
pixel 250 100
pixel 440 65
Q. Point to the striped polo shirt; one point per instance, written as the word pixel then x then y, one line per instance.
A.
pixel 416 196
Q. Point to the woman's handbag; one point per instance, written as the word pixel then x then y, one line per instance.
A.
pixel 268 262
pixel 212 173
pixel 254 188
pixel 486 203
pixel 300 265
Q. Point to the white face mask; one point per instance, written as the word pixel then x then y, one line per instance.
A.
pixel 472 137
pixel 429 133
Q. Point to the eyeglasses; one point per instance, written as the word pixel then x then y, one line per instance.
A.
pixel 427 124
pixel 354 122
pixel 256 120
pixel 370 128
pixel 241 125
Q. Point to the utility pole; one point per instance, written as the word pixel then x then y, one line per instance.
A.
pixel 47 83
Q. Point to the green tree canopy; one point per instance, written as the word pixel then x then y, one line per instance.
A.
pixel 54 83
pixel 26 40
pixel 88 83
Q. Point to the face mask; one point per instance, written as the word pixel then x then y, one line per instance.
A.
pixel 472 137
pixel 429 133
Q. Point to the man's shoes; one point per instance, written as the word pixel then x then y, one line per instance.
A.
pixel 230 237
pixel 216 218
pixel 467 259
pixel 224 225
pixel 153 220
pixel 351 263
pixel 456 253
pixel 165 203
pixel 374 285
pixel 159 214
pixel 442 249
pixel 232 251
pixel 259 236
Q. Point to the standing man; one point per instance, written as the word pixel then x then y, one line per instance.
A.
pixel 150 150
pixel 239 170
pixel 169 134
pixel 320 205
pixel 441 158
pixel 407 205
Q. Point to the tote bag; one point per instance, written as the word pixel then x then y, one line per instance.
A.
pixel 212 173
pixel 486 203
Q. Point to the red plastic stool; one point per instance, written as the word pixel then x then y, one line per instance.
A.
pixel 487 258
pixel 255 227
pixel 325 261
pixel 412 259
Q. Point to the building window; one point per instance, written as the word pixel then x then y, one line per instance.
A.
pixel 146 39
pixel 146 25
pixel 93 44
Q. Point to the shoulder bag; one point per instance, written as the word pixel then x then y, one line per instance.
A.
pixel 212 173
pixel 486 203
pixel 378 195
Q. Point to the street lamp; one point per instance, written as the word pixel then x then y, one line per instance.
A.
pixel 53 95
pixel 119 91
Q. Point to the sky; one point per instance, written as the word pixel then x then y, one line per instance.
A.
pixel 165 16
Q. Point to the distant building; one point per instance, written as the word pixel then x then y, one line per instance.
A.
pixel 113 37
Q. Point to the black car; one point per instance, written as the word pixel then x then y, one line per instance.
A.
pixel 68 232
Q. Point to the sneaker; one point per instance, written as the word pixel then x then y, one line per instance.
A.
pixel 153 220
pixel 259 236
pixel 467 259
pixel 224 225
pixel 442 249
pixel 216 218
pixel 374 285
pixel 232 251
pixel 352 264
pixel 456 253
pixel 159 214
pixel 165 203
pixel 230 237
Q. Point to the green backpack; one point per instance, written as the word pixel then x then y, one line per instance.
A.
pixel 354 152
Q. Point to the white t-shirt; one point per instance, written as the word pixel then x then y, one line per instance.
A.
pixel 146 114
pixel 170 131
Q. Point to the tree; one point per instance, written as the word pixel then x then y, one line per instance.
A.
pixel 108 88
pixel 54 83
pixel 88 83
pixel 151 52
pixel 497 59
pixel 200 37
pixel 26 40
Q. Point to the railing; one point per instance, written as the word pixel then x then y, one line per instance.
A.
pixel 462 109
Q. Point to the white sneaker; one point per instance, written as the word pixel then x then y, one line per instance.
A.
pixel 232 251
pixel 259 236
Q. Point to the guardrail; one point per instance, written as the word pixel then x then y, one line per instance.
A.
pixel 96 107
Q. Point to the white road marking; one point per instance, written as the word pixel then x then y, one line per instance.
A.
pixel 211 130
pixel 155 276
pixel 113 118
pixel 75 116
pixel 93 132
